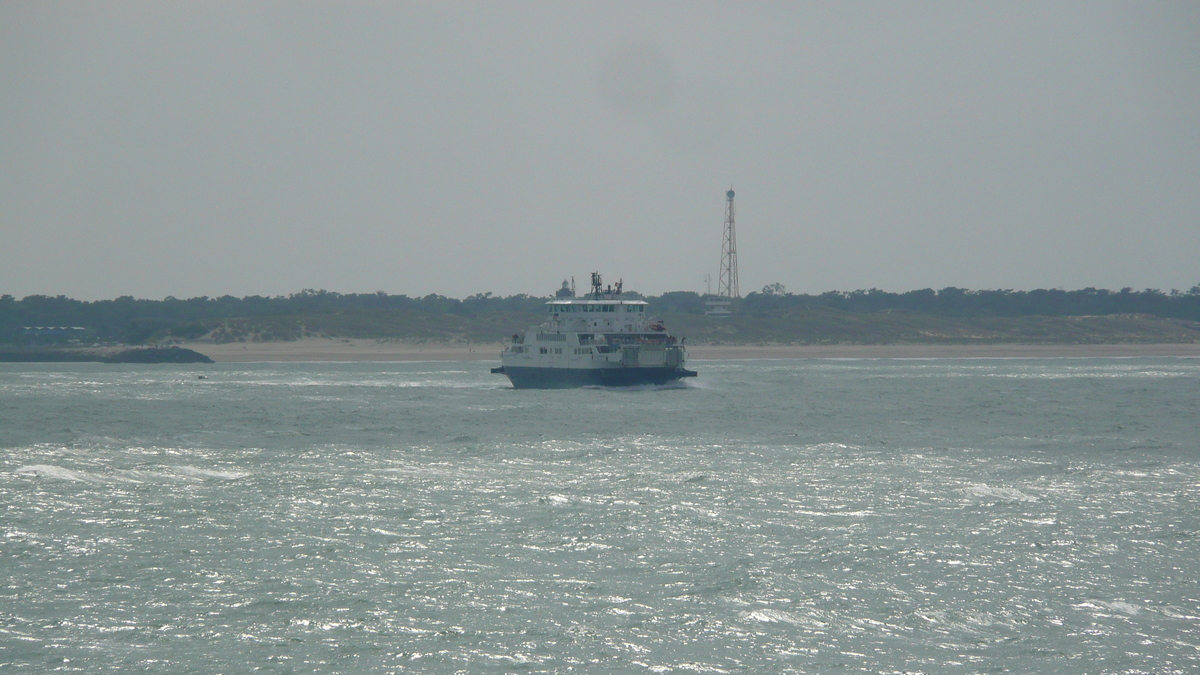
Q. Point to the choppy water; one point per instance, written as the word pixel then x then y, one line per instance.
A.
pixel 946 516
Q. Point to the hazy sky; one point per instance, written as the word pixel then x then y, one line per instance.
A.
pixel 210 148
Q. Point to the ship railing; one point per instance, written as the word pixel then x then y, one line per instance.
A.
pixel 652 339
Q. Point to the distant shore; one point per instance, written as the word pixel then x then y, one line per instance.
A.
pixel 316 349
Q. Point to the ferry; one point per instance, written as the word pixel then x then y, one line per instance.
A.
pixel 599 339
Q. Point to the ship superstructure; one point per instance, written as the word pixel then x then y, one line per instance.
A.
pixel 599 339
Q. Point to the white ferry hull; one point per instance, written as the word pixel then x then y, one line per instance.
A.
pixel 533 377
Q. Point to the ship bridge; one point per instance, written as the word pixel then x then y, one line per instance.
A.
pixel 588 306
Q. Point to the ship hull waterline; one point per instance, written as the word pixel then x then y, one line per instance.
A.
pixel 523 377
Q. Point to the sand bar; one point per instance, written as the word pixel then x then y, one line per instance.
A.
pixel 939 351
pixel 381 350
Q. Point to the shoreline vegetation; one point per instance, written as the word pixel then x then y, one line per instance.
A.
pixel 326 326
pixel 347 350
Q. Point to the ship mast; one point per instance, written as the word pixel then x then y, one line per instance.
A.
pixel 597 286
pixel 598 290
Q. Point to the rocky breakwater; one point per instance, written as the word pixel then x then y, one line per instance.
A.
pixel 101 355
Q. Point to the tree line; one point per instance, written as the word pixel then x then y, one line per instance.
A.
pixel 135 321
pixel 961 302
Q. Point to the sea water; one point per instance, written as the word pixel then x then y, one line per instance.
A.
pixel 807 516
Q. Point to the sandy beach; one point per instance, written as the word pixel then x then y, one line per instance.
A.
pixel 374 350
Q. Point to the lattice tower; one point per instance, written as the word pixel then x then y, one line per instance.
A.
pixel 727 283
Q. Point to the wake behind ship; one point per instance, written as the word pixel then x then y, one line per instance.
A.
pixel 599 339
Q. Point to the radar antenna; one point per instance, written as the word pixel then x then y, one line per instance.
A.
pixel 597 286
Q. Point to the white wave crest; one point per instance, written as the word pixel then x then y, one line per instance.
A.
pixel 51 471
pixel 1001 493
pixel 210 473
pixel 1123 607
pixel 780 616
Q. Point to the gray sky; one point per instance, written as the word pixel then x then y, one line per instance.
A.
pixel 206 148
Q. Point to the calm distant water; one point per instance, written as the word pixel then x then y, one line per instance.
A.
pixel 943 516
